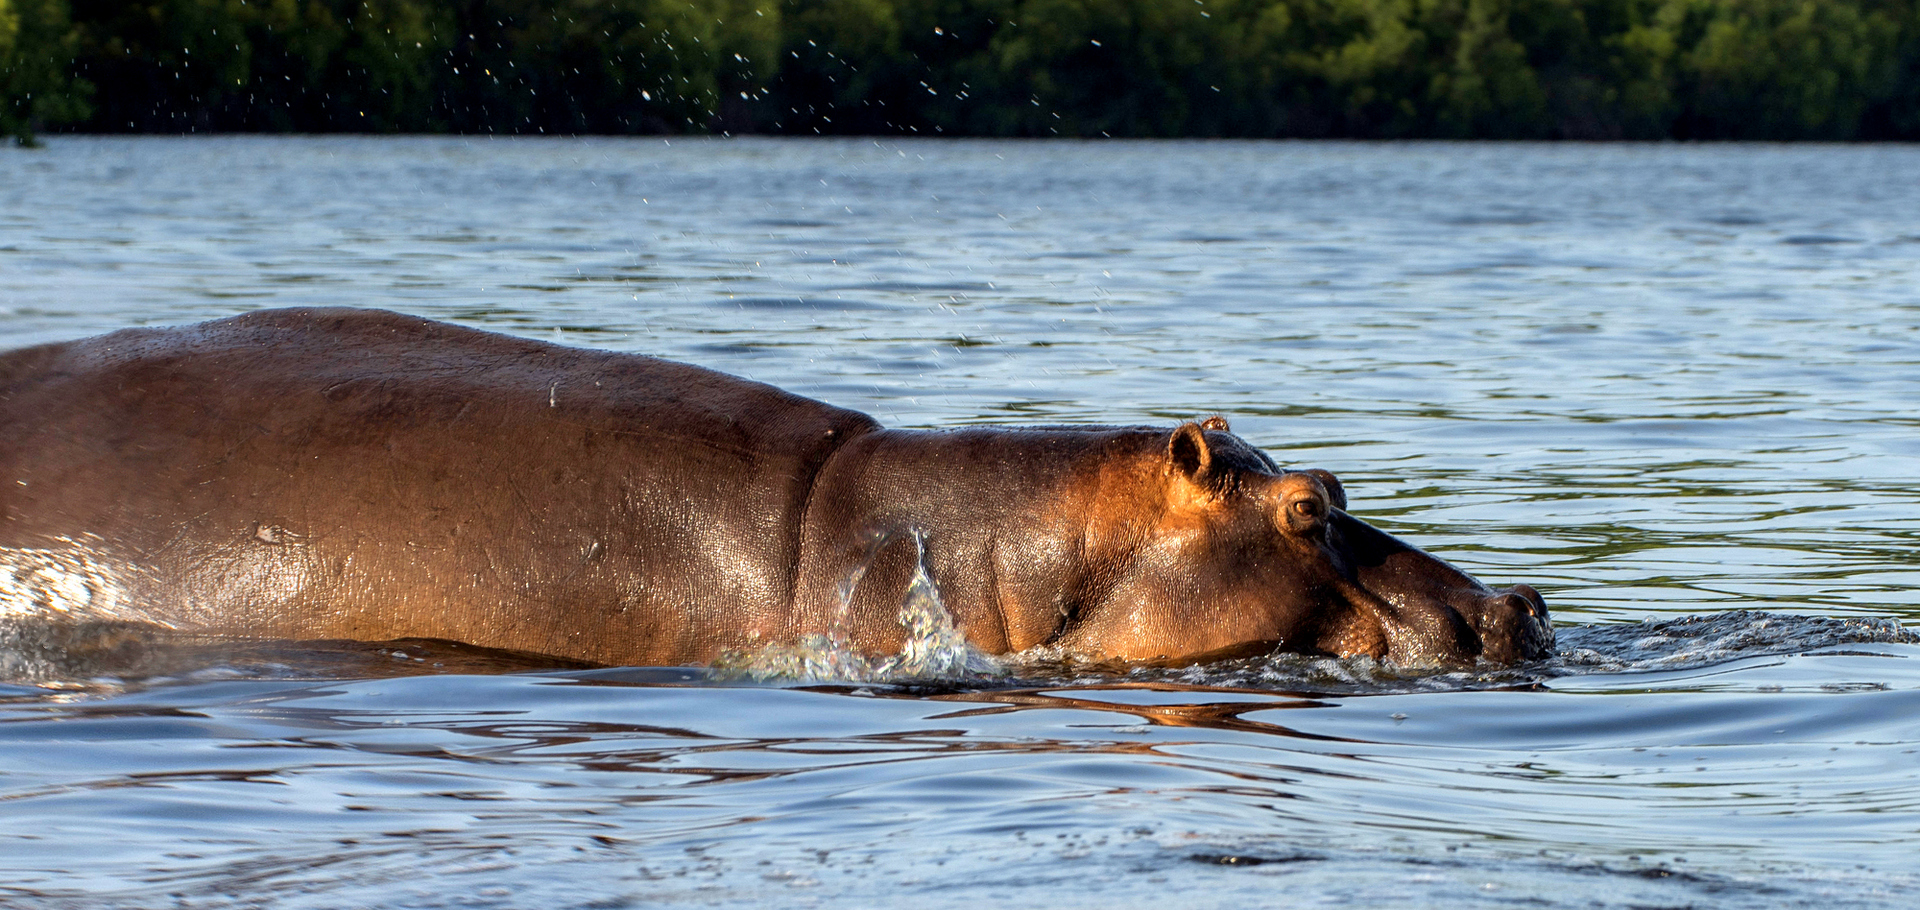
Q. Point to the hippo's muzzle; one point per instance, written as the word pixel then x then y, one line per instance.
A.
pixel 1514 625
pixel 1430 613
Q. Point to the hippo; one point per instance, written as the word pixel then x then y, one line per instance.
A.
pixel 337 473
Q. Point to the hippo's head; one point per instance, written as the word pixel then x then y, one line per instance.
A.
pixel 1218 552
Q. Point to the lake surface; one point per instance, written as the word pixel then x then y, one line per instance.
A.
pixel 1670 386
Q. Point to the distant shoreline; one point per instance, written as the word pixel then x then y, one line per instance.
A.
pixel 1343 69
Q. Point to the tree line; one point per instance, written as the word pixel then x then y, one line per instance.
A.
pixel 1533 69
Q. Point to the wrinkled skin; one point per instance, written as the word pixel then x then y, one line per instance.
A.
pixel 338 473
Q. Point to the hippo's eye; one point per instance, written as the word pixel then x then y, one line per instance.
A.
pixel 1302 506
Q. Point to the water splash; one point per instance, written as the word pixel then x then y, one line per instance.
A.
pixel 69 583
pixel 65 612
pixel 933 649
pixel 1694 641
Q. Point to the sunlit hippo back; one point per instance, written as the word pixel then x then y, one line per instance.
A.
pixel 357 474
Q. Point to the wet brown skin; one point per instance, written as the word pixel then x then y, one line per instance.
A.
pixel 359 474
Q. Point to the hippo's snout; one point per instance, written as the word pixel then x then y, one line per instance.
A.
pixel 1436 614
pixel 1514 625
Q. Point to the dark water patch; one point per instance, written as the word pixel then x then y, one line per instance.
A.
pixel 1204 238
pixel 789 223
pixel 1249 860
pixel 1721 887
pixel 928 287
pixel 1496 218
pixel 721 347
pixel 798 304
pixel 1817 239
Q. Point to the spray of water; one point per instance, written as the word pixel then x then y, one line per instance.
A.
pixel 62 610
pixel 933 648
pixel 67 583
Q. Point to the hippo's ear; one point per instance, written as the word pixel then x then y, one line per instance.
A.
pixel 1188 452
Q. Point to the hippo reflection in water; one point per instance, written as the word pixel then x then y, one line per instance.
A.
pixel 341 473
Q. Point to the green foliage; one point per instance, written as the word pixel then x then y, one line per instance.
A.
pixel 1584 69
pixel 608 66
pixel 1783 68
pixel 37 86
pixel 196 65
pixel 843 69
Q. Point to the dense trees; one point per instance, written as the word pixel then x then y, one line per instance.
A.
pixel 1787 69
pixel 38 43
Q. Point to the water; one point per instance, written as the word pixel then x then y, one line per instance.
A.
pixel 1670 386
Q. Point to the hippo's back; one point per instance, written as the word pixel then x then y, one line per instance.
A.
pixel 364 474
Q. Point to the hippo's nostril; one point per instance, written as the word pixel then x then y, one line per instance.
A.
pixel 1516 603
pixel 1528 599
